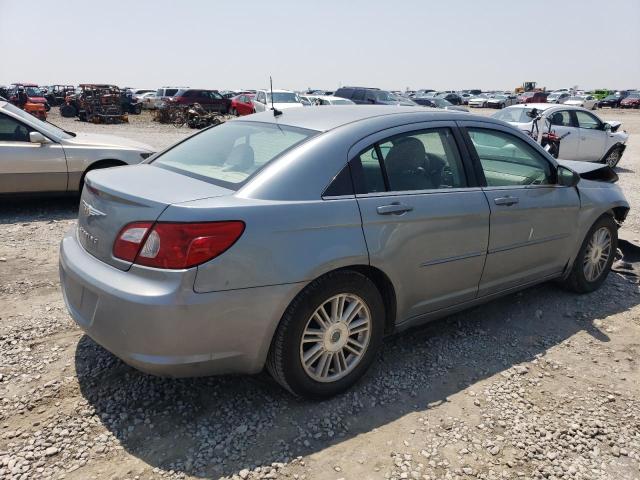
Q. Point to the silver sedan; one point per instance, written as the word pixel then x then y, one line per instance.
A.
pixel 38 157
pixel 297 240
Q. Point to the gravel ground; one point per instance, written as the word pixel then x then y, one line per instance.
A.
pixel 542 384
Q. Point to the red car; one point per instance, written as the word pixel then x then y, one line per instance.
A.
pixel 533 97
pixel 34 94
pixel 242 104
pixel 209 99
pixel 631 101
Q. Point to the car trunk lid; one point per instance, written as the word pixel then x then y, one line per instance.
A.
pixel 115 197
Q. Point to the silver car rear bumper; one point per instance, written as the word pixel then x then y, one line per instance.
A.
pixel 154 321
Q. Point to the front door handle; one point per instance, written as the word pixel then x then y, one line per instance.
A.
pixel 394 209
pixel 508 201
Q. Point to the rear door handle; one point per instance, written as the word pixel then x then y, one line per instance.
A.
pixel 394 209
pixel 506 201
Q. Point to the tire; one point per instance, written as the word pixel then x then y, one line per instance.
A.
pixel 137 110
pixel 579 281
pixel 285 359
pixel 67 111
pixel 233 112
pixel 613 156
pixel 47 107
pixel 595 106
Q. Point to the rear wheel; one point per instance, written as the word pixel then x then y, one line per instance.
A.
pixel 593 262
pixel 328 336
pixel 234 112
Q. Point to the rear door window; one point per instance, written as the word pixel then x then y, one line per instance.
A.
pixel 419 160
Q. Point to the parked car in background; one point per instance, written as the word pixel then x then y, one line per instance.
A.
pixel 163 94
pixel 161 269
pixel 242 105
pixel 210 100
pixel 146 100
pixel 586 101
pixel 38 157
pixel 438 102
pixel 631 101
pixel 451 97
pixel 465 97
pixel 479 101
pixel 589 138
pixel 371 96
pixel 601 93
pixel 136 92
pixel 282 99
pixel 558 97
pixel 612 100
pixel 319 100
pixel 501 101
pixel 33 91
pixel 532 97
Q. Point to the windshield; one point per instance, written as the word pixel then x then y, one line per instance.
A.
pixel 500 97
pixel 577 97
pixel 230 153
pixel 33 91
pixel 46 127
pixel 612 97
pixel 634 95
pixel 283 97
pixel 513 115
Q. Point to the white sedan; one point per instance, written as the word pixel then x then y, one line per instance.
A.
pixel 282 99
pixel 585 101
pixel 38 157
pixel 589 138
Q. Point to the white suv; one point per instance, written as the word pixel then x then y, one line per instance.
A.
pixel 282 99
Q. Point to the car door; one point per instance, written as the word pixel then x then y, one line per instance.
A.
pixel 564 124
pixel 425 224
pixel 533 219
pixel 29 167
pixel 592 135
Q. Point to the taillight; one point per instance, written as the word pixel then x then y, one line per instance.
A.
pixel 175 245
pixel 129 240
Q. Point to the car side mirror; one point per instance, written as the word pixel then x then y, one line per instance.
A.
pixel 567 177
pixel 606 127
pixel 37 137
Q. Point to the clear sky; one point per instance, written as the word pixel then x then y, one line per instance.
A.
pixel 443 44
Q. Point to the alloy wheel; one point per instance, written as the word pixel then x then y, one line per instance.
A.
pixel 613 158
pixel 597 254
pixel 335 338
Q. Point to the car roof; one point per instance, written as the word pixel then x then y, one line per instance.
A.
pixel 334 116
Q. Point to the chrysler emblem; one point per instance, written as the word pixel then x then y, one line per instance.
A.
pixel 90 211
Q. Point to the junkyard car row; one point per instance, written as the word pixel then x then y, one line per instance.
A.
pixel 157 272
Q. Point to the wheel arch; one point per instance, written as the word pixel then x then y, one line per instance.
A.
pixel 104 163
pixel 384 285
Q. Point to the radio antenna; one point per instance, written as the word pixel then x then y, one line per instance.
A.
pixel 276 112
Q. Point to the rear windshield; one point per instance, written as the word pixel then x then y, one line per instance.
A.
pixel 230 153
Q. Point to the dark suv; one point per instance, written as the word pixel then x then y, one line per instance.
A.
pixel 211 100
pixel 370 96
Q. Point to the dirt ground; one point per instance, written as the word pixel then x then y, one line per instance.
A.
pixel 539 384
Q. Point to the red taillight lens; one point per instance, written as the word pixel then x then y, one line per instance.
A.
pixel 130 239
pixel 181 245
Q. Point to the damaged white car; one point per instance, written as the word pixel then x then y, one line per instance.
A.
pixel 584 136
